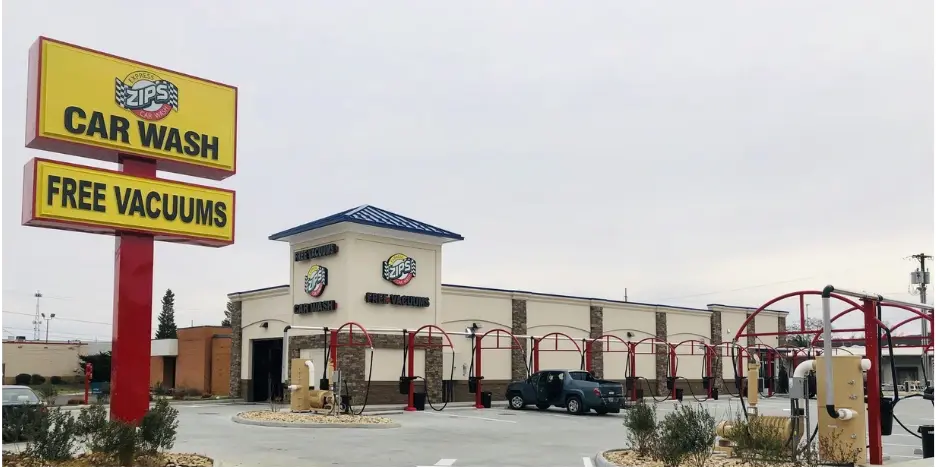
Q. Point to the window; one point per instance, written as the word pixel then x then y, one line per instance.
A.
pixel 19 395
pixel 581 376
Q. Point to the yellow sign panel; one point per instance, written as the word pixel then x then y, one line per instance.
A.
pixel 88 103
pixel 82 198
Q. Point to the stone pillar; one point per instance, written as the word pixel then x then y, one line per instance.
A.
pixel 716 336
pixel 234 374
pixel 662 357
pixel 782 327
pixel 750 329
pixel 519 326
pixel 596 330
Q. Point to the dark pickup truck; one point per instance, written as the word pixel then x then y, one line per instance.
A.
pixel 577 391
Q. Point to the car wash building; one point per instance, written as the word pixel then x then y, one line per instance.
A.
pixel 383 272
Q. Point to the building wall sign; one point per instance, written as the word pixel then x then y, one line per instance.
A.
pixel 399 269
pixel 315 252
pixel 397 300
pixel 315 307
pixel 317 277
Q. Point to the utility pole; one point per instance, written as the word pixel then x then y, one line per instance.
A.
pixel 37 319
pixel 922 277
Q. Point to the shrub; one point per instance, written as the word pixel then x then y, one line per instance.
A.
pixel 122 442
pixel 696 429
pixel 757 442
pixel 192 392
pixel 48 393
pixel 53 439
pixel 57 380
pixel 20 423
pixel 686 432
pixel 158 427
pixel 641 421
pixel 835 452
pixel 23 379
pixel 36 380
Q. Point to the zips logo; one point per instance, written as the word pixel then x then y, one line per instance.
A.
pixel 146 95
pixel 317 277
pixel 399 269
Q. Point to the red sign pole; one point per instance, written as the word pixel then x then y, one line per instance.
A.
pixel 133 312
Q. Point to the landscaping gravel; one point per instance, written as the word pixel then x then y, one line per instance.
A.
pixel 296 417
pixel 627 458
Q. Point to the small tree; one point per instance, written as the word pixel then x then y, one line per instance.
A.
pixel 100 366
pixel 641 422
pixel 229 308
pixel 166 329
pixel 802 340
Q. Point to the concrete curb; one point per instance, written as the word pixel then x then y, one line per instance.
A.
pixel 600 461
pixel 261 423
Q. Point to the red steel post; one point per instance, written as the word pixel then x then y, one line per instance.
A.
pixel 536 356
pixel 411 342
pixel 133 313
pixel 334 348
pixel 872 377
pixel 672 370
pixel 632 370
pixel 479 373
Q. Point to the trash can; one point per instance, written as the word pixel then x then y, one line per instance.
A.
pixel 420 400
pixel 679 394
pixel 639 394
pixel 885 416
pixel 715 393
pixel 928 440
pixel 487 399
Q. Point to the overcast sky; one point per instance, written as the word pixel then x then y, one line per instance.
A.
pixel 694 152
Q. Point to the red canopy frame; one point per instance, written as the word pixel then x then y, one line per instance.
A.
pixel 412 346
pixel 605 346
pixel 708 362
pixel 536 348
pixel 334 342
pixel 872 325
pixel 498 346
pixel 655 343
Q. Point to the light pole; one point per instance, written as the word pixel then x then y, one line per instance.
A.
pixel 48 320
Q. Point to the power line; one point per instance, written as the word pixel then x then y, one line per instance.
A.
pixel 62 319
pixel 86 336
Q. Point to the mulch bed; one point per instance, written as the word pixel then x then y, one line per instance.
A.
pixel 100 460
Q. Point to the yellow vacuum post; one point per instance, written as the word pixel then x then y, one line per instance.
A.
pixel 299 385
pixel 837 437
pixel 752 385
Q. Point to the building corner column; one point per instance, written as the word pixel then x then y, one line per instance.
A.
pixel 716 337
pixel 519 326
pixel 662 355
pixel 596 347
pixel 234 373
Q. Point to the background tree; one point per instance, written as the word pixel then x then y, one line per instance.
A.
pixel 100 366
pixel 228 310
pixel 166 329
pixel 801 340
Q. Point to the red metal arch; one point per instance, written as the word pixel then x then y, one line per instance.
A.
pixel 801 294
pixel 412 345
pixel 478 356
pixel 906 321
pixel 334 342
pixel 634 351
pixel 536 349
pixel 588 348
pixel 708 362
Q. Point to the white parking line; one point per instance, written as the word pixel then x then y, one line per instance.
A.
pixel 441 464
pixel 587 462
pixel 437 414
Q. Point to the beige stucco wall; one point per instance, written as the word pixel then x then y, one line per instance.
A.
pixel 566 316
pixel 273 307
pixel 365 269
pixel 46 359
pixel 338 288
pixel 460 307
pixel 686 326
pixel 619 319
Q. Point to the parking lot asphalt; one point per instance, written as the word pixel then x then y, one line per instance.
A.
pixel 459 437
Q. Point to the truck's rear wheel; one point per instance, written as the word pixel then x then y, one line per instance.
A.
pixel 574 406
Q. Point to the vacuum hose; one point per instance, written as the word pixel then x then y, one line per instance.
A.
pixel 371 362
